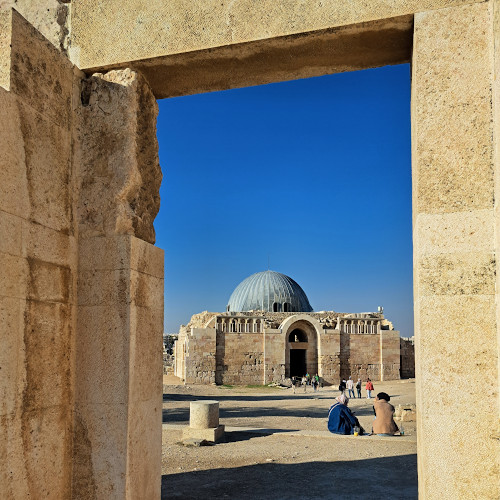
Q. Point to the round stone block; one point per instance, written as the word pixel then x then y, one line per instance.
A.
pixel 204 414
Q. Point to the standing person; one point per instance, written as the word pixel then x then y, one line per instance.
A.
pixel 369 389
pixel 314 383
pixel 316 377
pixel 342 386
pixel 304 382
pixel 308 378
pixel 350 387
pixel 358 387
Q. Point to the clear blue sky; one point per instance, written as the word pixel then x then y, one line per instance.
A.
pixel 314 174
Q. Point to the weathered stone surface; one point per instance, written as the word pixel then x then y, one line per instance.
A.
pixel 118 153
pixel 196 437
pixel 455 261
pixel 49 17
pixel 203 414
pixel 181 26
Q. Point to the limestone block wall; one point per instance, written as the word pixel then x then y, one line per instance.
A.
pixel 364 357
pixel 243 359
pixel 274 356
pixel 38 265
pixel 329 357
pixel 389 355
pixel 200 362
pixel 407 358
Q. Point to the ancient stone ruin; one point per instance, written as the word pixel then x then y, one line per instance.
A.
pixel 81 283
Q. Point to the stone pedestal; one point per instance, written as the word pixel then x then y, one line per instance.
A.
pixel 203 414
pixel 204 421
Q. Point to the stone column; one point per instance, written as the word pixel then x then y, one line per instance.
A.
pixel 118 376
pixel 455 177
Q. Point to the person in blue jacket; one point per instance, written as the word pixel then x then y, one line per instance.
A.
pixel 340 418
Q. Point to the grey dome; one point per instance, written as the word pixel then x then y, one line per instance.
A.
pixel 269 291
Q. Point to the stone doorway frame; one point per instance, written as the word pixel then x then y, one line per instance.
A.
pixel 312 328
pixel 454 47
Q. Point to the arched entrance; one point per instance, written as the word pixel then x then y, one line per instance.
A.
pixel 301 346
pixel 297 340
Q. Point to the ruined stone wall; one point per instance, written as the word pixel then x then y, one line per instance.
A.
pixel 329 357
pixel 120 294
pixel 407 358
pixel 38 265
pixel 364 357
pixel 200 356
pixel 243 359
pixel 81 287
pixel 389 355
pixel 274 356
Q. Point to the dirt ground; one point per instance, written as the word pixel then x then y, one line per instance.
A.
pixel 277 446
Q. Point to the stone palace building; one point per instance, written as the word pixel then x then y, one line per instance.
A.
pixel 269 333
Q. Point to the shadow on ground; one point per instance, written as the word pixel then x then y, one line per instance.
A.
pixel 175 415
pixel 375 478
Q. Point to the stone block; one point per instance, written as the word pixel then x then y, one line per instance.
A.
pixel 146 290
pixel 47 435
pixel 211 435
pixel 11 359
pixel 453 445
pixel 49 282
pixel 144 448
pixel 48 245
pixel 13 276
pixel 48 340
pixel 48 170
pixel 120 252
pixel 100 451
pixel 13 473
pixel 102 354
pixel 455 233
pixel 104 288
pixel 14 199
pixel 5 36
pixel 451 84
pixel 146 258
pixel 10 231
pixel 178 27
pixel 41 76
pixel 456 274
pixel 146 364
pixel 104 253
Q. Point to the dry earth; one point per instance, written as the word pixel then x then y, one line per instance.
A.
pixel 277 447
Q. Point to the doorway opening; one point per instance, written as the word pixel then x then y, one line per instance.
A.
pixel 298 365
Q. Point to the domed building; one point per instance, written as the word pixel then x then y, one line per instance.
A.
pixel 270 333
pixel 268 291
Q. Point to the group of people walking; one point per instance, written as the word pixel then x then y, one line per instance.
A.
pixel 314 382
pixel 349 386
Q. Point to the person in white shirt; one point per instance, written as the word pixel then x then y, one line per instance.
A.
pixel 350 387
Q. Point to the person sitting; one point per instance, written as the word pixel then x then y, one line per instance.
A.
pixel 384 424
pixel 340 418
